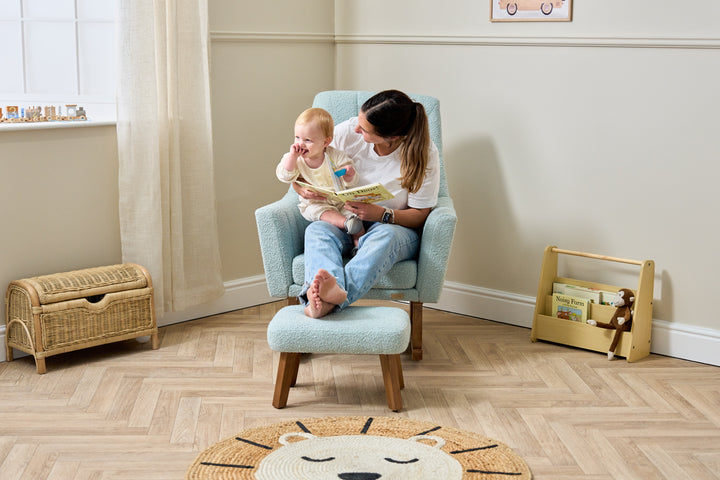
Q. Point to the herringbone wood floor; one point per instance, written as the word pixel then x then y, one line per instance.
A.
pixel 124 411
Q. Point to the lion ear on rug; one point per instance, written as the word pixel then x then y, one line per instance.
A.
pixel 621 320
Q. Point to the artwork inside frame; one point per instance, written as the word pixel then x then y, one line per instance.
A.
pixel 530 10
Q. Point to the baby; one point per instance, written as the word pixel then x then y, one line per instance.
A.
pixel 312 159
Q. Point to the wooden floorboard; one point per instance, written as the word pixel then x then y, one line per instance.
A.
pixel 125 411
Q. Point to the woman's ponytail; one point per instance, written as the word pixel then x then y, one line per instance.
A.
pixel 414 151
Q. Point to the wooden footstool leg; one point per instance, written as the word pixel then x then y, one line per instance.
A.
pixel 392 373
pixel 286 377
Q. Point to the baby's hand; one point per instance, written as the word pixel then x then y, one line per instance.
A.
pixel 296 151
pixel 349 173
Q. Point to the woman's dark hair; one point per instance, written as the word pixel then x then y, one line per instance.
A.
pixel 394 114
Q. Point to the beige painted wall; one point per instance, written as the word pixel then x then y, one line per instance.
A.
pixel 599 134
pixel 268 61
pixel 596 135
pixel 58 201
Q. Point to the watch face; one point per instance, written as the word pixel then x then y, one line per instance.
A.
pixel 386 217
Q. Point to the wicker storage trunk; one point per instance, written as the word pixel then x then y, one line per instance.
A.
pixel 62 312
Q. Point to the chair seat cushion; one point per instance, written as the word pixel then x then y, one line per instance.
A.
pixel 355 330
pixel 402 276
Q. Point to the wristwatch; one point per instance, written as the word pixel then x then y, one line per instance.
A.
pixel 388 216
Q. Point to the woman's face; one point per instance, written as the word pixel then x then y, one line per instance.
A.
pixel 367 130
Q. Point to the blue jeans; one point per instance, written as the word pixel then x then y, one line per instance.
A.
pixel 382 246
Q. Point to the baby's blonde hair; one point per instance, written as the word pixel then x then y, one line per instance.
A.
pixel 318 117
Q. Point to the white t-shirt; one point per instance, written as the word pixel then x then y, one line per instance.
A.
pixel 372 168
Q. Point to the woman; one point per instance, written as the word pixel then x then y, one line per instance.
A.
pixel 390 143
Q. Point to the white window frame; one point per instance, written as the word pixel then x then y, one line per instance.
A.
pixel 93 87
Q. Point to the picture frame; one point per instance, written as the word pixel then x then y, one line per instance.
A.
pixel 530 10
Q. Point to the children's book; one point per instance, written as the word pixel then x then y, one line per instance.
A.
pixel 569 308
pixel 372 193
pixel 592 294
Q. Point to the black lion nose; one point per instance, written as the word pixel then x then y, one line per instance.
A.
pixel 359 476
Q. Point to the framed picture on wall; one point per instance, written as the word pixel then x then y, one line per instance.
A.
pixel 530 10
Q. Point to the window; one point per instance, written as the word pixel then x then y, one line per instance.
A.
pixel 58 52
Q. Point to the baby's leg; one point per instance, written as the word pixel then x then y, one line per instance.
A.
pixel 356 237
pixel 333 217
pixel 349 223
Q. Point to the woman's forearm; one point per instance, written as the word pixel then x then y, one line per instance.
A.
pixel 411 217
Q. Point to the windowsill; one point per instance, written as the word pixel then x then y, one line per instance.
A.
pixel 8 126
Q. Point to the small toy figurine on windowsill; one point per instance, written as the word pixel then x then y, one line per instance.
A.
pixel 621 321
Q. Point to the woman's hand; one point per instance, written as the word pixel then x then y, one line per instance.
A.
pixel 307 193
pixel 368 212
pixel 409 217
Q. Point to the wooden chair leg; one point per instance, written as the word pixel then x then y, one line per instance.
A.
pixel 416 330
pixel 286 377
pixel 392 371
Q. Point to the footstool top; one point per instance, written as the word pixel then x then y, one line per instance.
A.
pixel 354 330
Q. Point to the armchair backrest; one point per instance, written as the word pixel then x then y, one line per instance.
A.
pixel 344 104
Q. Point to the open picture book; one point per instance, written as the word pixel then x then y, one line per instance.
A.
pixel 372 193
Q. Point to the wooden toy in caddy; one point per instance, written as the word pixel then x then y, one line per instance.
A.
pixel 58 313
pixel 634 344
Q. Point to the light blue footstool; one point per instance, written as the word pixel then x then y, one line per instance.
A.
pixel 383 331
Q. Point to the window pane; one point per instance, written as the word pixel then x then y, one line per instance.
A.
pixel 96 9
pixel 96 43
pixel 9 9
pixel 11 77
pixel 50 57
pixel 49 8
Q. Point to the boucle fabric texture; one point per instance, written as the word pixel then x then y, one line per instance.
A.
pixel 354 330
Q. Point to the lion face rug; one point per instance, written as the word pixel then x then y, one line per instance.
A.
pixel 357 448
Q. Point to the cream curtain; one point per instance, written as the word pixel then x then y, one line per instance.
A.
pixel 167 196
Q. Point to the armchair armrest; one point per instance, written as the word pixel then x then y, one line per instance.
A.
pixel 435 246
pixel 281 230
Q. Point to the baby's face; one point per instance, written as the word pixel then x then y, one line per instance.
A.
pixel 310 139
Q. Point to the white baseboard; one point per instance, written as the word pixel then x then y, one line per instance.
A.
pixel 672 339
pixel 240 293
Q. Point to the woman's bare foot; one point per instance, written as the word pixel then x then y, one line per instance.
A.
pixel 316 306
pixel 328 288
pixel 324 293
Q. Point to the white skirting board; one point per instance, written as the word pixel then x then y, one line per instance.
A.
pixel 671 339
pixel 668 338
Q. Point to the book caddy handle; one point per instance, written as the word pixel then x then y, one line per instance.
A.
pixel 634 344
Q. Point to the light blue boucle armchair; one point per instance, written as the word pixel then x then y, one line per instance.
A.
pixel 281 229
